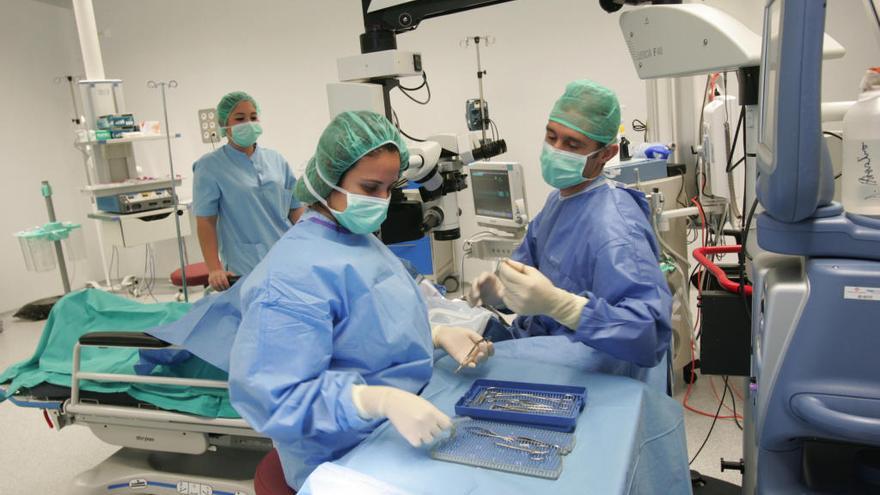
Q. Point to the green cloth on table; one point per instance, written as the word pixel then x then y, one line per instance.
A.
pixel 90 310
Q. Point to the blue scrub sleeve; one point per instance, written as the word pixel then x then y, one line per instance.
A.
pixel 279 377
pixel 628 312
pixel 289 183
pixel 206 192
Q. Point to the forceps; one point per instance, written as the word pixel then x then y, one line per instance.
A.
pixel 534 454
pixel 499 392
pixel 524 442
pixel 472 352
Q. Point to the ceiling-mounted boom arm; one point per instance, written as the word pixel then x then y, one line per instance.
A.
pixel 381 26
pixel 407 16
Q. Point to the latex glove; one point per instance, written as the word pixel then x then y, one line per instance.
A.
pixel 218 279
pixel 416 419
pixel 466 346
pixel 528 292
pixel 486 289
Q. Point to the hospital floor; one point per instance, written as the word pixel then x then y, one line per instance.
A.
pixel 35 459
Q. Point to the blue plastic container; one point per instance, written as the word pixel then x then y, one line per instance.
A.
pixel 498 400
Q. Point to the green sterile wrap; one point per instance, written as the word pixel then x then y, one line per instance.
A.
pixel 90 310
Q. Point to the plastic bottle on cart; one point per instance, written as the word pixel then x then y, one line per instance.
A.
pixel 860 179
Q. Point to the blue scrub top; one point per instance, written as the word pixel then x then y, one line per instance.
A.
pixel 599 243
pixel 252 198
pixel 325 310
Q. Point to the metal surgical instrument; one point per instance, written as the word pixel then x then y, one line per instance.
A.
pixel 471 353
pixel 485 432
pixel 523 441
pixel 534 454
pixel 498 392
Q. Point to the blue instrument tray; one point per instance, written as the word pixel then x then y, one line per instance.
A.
pixel 554 407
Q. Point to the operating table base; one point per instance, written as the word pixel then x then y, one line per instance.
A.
pixel 131 471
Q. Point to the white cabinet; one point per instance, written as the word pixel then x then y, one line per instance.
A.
pixel 137 229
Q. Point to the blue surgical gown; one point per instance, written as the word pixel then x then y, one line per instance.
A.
pixel 252 198
pixel 325 310
pixel 599 243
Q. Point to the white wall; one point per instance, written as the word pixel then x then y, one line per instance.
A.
pixel 847 22
pixel 36 136
pixel 285 52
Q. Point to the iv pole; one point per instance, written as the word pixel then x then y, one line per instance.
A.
pixel 162 85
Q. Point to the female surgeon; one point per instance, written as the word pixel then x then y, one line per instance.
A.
pixel 334 336
pixel 242 194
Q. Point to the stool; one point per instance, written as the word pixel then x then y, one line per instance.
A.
pixel 269 477
pixel 196 274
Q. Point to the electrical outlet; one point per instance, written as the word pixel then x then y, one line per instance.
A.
pixel 209 127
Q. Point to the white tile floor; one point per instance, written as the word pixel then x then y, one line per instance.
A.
pixel 33 458
pixel 37 460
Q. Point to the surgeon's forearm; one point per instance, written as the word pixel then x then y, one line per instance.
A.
pixel 206 227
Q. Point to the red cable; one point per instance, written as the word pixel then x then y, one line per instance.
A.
pixel 712 80
pixel 687 393
pixel 696 201
pixel 705 238
pixel 728 285
pixel 698 255
pixel 736 392
pixel 715 393
pixel 48 421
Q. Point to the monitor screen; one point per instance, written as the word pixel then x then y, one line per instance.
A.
pixel 491 190
pixel 770 72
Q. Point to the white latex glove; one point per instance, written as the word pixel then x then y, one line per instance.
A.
pixel 416 419
pixel 528 292
pixel 466 346
pixel 485 289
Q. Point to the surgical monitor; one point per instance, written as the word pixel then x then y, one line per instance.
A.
pixel 499 195
pixel 793 179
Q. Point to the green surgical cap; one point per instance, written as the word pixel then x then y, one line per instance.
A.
pixel 589 108
pixel 229 102
pixel 347 139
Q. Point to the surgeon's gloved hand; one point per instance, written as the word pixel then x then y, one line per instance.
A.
pixel 486 289
pixel 466 346
pixel 219 279
pixel 528 292
pixel 416 419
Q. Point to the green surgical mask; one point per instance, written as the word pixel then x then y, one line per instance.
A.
pixel 362 214
pixel 246 134
pixel 562 169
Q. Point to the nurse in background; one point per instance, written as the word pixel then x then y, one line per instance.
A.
pixel 242 194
